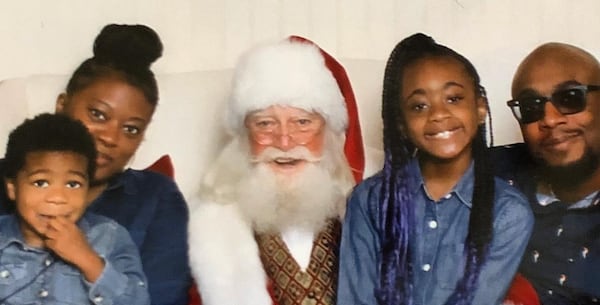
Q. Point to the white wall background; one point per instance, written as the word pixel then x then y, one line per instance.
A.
pixel 53 37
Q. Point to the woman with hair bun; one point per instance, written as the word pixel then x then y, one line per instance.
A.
pixel 114 93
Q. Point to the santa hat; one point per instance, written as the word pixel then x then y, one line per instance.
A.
pixel 296 72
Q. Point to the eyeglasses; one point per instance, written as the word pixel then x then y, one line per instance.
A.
pixel 299 131
pixel 567 101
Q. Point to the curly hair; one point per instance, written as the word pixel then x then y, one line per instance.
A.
pixel 396 210
pixel 48 133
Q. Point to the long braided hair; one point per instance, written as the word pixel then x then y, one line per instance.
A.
pixel 396 207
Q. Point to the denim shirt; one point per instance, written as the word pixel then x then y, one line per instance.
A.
pixel 152 209
pixel 35 276
pixel 438 245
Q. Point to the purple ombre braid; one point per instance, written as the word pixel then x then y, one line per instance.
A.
pixel 396 213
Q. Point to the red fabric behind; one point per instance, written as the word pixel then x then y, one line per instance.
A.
pixel 194 296
pixel 521 292
pixel 164 166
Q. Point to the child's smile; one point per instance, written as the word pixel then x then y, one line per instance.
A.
pixel 443 135
pixel 441 110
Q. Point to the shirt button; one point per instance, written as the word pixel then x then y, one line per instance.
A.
pixel 47 262
pixel 44 293
pixel 4 274
pixel 559 231
pixel 511 182
pixel 536 255
pixel 584 252
pixel 98 299
pixel 550 292
pixel 426 267
pixel 432 224
pixel 141 284
pixel 561 279
pixel 311 295
pixel 448 196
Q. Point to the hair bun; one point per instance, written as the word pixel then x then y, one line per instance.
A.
pixel 128 46
pixel 418 41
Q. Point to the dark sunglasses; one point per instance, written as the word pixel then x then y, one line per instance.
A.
pixel 567 101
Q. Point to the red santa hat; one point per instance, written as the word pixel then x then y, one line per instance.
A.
pixel 296 72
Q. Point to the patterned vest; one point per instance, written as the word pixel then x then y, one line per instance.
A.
pixel 292 286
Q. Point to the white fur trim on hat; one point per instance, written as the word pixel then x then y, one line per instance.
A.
pixel 287 73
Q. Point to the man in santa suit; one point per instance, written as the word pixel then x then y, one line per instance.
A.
pixel 266 227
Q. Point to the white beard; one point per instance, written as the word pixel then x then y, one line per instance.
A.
pixel 240 196
pixel 272 202
pixel 275 202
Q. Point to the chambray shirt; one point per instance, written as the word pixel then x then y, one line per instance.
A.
pixel 35 276
pixel 438 245
pixel 152 209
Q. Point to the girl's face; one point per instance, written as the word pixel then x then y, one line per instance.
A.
pixel 440 108
pixel 116 114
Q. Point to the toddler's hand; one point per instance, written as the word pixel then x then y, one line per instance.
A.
pixel 66 240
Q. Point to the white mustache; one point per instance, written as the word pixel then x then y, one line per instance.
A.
pixel 296 153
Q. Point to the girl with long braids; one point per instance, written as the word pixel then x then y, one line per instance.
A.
pixel 434 227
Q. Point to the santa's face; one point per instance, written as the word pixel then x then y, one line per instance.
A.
pixel 285 128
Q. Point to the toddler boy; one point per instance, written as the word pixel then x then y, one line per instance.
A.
pixel 51 250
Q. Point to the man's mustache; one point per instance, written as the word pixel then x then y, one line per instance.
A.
pixel 297 153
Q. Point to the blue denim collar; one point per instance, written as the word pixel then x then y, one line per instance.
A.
pixel 10 231
pixel 463 189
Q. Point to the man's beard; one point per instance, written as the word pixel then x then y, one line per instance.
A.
pixel 274 201
pixel 572 174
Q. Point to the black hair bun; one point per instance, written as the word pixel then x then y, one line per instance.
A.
pixel 418 41
pixel 128 46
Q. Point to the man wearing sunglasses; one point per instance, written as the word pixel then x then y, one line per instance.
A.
pixel 556 100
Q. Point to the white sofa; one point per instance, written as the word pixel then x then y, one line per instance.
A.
pixel 187 123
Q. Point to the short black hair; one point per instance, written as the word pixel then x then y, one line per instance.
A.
pixel 48 133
